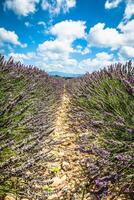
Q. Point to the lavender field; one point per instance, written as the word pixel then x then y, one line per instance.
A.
pixel 66 139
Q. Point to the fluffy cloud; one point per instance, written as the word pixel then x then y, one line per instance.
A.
pixel 54 50
pixel 22 57
pixel 127 52
pixel 67 64
pixel 104 56
pixel 28 24
pixel 9 37
pixel 101 60
pixel 81 50
pixel 66 32
pixel 56 54
pixel 112 4
pixel 69 30
pixel 129 9
pixel 127 27
pixel 54 7
pixel 21 8
pixel 128 33
pixel 127 49
pixel 110 37
pixel 104 37
pixel 121 38
pixel 42 23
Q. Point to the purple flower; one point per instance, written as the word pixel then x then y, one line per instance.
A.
pixel 108 114
pixel 83 150
pixel 98 197
pixel 120 119
pixel 104 153
pixel 101 152
pixel 100 183
pixel 130 131
pixel 126 190
pixel 120 157
pixel 97 123
pixel 117 123
pixel 130 89
pixel 126 82
pixel 89 160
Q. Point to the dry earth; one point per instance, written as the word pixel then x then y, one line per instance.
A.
pixel 65 177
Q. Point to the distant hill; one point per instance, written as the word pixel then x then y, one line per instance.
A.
pixel 63 74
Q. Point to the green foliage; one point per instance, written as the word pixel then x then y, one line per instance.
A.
pixel 25 96
pixel 55 170
pixel 110 103
pixel 106 103
pixel 47 188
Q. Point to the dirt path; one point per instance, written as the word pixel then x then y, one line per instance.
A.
pixel 66 171
pixel 64 176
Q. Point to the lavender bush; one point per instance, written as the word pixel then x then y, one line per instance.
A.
pixel 103 105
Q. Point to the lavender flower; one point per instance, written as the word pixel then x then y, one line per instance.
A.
pixel 120 157
pixel 130 131
pixel 99 182
pixel 83 150
pixel 101 152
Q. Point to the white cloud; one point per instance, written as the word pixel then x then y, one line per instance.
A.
pixel 69 30
pixel 101 60
pixel 128 33
pixel 85 51
pixel 129 9
pixel 21 8
pixel 26 7
pixel 104 37
pixel 67 64
pixel 127 52
pixel 66 32
pixel 56 54
pixel 22 57
pixel 81 50
pixel 41 23
pixel 54 50
pixel 127 27
pixel 120 38
pixel 54 7
pixel 27 24
pixel 113 38
pixel 104 56
pixel 109 4
pixel 9 37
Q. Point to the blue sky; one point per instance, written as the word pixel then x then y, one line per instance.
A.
pixel 72 36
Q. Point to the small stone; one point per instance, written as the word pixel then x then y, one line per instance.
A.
pixel 53 197
pixel 65 166
pixel 24 199
pixel 10 197
pixel 59 181
pixel 61 153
